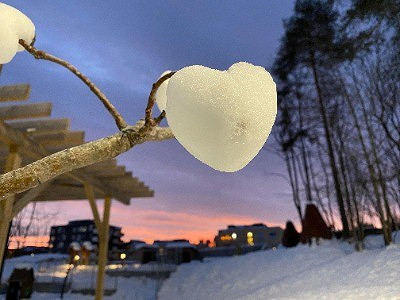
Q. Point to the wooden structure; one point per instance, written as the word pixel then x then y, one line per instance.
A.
pixel 314 225
pixel 24 138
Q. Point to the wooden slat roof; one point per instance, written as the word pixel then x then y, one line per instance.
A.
pixel 15 92
pixel 36 138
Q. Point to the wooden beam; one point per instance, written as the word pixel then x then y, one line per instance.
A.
pixel 103 249
pixel 26 111
pixel 92 201
pixel 13 162
pixel 61 193
pixel 41 126
pixel 27 197
pixel 9 135
pixel 64 138
pixel 15 92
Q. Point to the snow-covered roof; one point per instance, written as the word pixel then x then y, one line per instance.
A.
pixel 21 266
pixel 141 246
pixel 179 245
pixel 75 246
pixel 87 245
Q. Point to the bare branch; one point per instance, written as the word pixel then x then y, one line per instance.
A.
pixel 39 54
pixel 67 160
pixel 149 121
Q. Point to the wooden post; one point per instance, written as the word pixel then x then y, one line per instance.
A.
pixel 103 249
pixel 92 201
pixel 6 205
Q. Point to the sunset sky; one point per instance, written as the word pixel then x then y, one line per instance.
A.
pixel 123 46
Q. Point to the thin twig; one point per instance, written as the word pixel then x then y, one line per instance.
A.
pixel 39 54
pixel 149 121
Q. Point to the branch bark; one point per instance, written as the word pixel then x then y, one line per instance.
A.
pixel 67 160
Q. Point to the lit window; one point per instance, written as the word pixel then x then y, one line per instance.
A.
pixel 250 239
pixel 226 237
pixel 234 235
pixel 123 256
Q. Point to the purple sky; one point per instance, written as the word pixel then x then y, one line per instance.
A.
pixel 123 46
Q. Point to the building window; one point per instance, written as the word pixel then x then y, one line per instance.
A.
pixel 82 229
pixel 250 238
pixel 272 234
pixel 226 237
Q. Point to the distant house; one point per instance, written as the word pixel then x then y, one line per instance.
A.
pixel 145 253
pixel 81 231
pixel 249 235
pixel 173 252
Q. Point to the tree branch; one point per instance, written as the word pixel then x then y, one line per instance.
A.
pixel 49 167
pixel 39 54
pixel 149 121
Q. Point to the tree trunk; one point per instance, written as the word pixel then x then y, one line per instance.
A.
pixel 332 161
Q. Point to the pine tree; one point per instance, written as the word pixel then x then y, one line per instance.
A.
pixel 311 45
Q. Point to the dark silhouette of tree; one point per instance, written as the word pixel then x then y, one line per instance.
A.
pixel 290 235
pixel 311 45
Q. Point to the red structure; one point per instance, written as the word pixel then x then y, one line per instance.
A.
pixel 314 225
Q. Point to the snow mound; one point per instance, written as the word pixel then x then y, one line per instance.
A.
pixel 330 271
pixel 223 118
pixel 14 25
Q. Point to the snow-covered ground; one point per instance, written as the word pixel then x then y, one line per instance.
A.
pixel 44 265
pixel 332 270
pixel 53 267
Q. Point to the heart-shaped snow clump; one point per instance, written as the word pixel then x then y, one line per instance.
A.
pixel 223 118
pixel 14 25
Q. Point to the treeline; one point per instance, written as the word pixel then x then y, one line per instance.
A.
pixel 338 124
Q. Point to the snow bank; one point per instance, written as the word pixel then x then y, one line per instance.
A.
pixel 331 271
pixel 223 118
pixel 14 26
